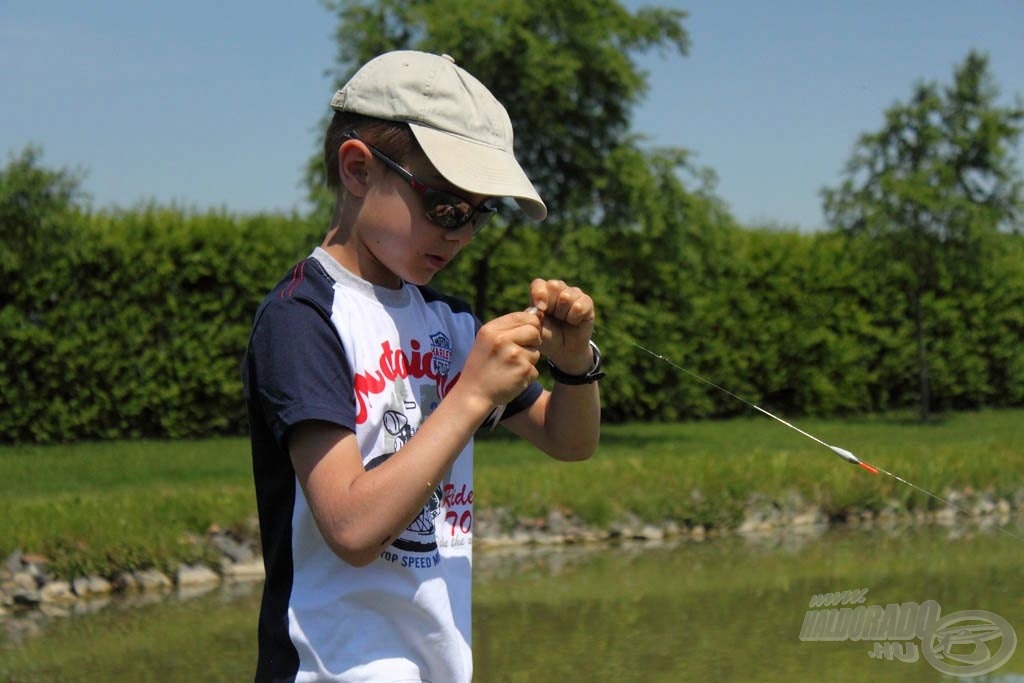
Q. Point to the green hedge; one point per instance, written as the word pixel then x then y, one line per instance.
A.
pixel 133 323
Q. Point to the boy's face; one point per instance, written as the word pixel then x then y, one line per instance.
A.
pixel 397 240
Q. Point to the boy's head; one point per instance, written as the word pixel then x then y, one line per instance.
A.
pixel 404 100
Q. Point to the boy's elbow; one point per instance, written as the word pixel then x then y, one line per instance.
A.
pixel 353 551
pixel 574 452
pixel 579 455
pixel 358 559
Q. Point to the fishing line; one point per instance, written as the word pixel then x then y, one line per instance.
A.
pixel 841 452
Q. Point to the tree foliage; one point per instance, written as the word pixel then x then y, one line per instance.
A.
pixel 35 203
pixel 565 71
pixel 930 189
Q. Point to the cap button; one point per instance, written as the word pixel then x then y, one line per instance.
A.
pixel 448 57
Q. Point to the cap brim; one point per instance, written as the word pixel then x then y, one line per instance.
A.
pixel 479 169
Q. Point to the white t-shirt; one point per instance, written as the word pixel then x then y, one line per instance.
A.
pixel 327 345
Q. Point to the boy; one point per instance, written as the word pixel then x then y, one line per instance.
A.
pixel 364 387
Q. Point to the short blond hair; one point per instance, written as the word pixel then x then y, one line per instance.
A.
pixel 393 138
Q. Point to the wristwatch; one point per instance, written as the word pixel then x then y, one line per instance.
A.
pixel 588 377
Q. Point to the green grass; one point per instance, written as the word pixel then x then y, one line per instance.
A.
pixel 656 470
pixel 109 506
pixel 103 507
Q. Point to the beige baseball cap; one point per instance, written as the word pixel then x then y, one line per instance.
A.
pixel 461 127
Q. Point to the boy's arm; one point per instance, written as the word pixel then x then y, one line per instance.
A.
pixel 565 422
pixel 360 512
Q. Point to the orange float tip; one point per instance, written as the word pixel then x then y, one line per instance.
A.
pixel 868 467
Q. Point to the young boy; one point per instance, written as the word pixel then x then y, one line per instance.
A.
pixel 365 388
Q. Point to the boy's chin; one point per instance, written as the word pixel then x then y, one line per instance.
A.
pixel 419 279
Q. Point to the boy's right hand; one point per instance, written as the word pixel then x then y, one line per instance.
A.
pixel 502 362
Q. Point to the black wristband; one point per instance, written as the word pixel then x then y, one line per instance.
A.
pixel 589 377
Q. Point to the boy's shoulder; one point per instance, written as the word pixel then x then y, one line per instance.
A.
pixel 306 280
pixel 307 284
pixel 457 305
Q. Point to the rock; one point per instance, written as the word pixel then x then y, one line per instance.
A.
pixel 125 582
pixel 197 575
pixel 809 517
pixel 151 581
pixel 29 598
pixel 233 549
pixel 946 516
pixel 521 537
pixel 984 507
pixel 13 562
pixel 57 593
pixel 25 581
pixel 91 585
pixel 556 522
pixel 244 571
pixel 627 527
pixel 649 532
pixel 761 515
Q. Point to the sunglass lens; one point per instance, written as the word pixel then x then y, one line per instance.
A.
pixel 447 210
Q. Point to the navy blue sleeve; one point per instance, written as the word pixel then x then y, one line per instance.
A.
pixel 523 401
pixel 299 368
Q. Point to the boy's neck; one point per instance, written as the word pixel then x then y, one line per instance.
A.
pixel 341 245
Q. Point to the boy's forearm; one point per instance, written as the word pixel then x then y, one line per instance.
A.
pixel 383 501
pixel 572 421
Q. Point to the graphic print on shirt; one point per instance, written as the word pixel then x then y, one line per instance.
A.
pixel 395 364
pixel 420 540
pixel 440 353
pixel 420 536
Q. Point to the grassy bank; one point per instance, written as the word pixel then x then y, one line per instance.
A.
pixel 104 507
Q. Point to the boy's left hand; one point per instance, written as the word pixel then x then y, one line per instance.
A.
pixel 568 322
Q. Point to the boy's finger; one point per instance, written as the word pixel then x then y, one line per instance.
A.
pixel 571 305
pixel 544 293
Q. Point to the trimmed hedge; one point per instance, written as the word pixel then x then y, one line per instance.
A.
pixel 136 325
pixel 133 323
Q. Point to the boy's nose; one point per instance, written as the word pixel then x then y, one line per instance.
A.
pixel 463 234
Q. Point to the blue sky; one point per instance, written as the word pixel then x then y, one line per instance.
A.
pixel 217 104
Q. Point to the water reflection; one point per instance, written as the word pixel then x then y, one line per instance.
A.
pixel 728 609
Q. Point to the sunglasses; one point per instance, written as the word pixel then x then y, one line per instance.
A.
pixel 445 209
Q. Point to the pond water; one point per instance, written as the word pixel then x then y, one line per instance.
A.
pixel 728 609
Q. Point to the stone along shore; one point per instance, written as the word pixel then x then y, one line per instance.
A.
pixel 29 590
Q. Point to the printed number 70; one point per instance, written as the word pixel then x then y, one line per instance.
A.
pixel 463 523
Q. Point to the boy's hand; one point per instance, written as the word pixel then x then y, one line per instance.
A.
pixel 567 315
pixel 503 360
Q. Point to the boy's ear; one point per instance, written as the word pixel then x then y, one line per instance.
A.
pixel 352 167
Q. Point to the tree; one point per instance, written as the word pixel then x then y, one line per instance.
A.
pixel 931 188
pixel 34 204
pixel 564 70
